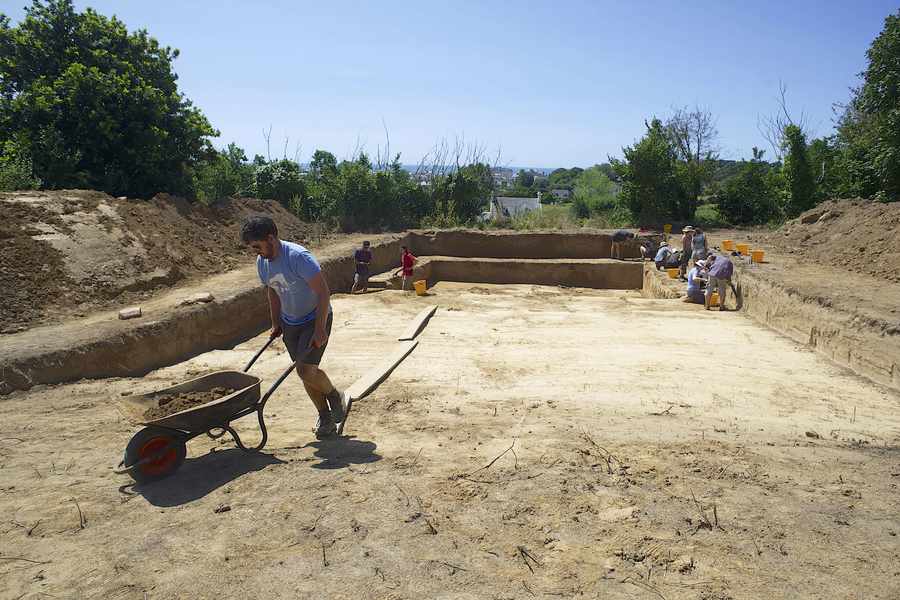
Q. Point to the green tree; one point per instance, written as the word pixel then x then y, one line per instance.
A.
pixel 525 178
pixel 827 167
pixel 692 136
pixel 321 186
pixel 355 206
pixel 279 180
pixel 93 105
pixel 564 178
pixel 750 196
pixel 225 174
pixel 798 175
pixel 16 170
pixel 650 188
pixel 869 129
pixel 594 189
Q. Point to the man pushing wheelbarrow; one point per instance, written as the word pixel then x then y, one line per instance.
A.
pixel 300 308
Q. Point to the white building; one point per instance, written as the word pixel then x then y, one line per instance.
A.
pixel 507 208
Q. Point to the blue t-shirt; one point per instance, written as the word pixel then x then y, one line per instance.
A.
pixel 698 245
pixel 693 283
pixel 662 254
pixel 288 274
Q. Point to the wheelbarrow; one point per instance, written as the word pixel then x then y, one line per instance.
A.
pixel 159 449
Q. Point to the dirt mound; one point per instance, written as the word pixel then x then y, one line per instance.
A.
pixel 69 252
pixel 858 235
pixel 171 404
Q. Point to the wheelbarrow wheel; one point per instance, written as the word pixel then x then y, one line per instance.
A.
pixel 159 452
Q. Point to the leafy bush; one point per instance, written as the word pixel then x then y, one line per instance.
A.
pixel 278 180
pixel 224 174
pixel 15 170
pixel 751 196
pixel 581 208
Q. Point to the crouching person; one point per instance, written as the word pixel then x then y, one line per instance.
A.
pixel 720 269
pixel 695 283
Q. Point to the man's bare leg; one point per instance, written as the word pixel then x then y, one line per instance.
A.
pixel 317 397
pixel 315 378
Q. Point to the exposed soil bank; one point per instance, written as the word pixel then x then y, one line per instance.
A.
pixel 514 244
pixel 70 252
pixel 602 274
pixel 103 346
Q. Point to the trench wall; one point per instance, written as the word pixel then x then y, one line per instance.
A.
pixel 587 273
pixel 866 347
pixel 506 244
pixel 869 348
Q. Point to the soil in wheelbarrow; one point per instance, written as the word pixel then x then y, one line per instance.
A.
pixel 173 403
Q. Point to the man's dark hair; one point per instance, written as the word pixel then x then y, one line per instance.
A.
pixel 366 243
pixel 258 228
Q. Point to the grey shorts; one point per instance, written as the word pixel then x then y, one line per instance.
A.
pixel 297 338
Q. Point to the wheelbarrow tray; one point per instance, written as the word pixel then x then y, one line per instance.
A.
pixel 202 417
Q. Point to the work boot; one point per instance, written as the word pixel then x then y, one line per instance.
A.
pixel 325 426
pixel 336 404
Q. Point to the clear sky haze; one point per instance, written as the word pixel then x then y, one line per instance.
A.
pixel 550 84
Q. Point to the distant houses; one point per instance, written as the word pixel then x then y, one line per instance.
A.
pixel 503 178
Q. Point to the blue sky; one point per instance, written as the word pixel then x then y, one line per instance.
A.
pixel 547 83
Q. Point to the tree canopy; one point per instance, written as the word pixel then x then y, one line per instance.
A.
pixel 90 104
pixel 869 129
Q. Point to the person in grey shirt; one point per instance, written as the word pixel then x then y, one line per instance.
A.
pixel 720 269
pixel 300 308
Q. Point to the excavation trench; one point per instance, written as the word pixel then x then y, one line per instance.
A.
pixel 168 334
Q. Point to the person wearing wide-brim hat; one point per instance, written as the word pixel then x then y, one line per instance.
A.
pixel 695 283
pixel 662 255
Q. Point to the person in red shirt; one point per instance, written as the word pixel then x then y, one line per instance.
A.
pixel 407 263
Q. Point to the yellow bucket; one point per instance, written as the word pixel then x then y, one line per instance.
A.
pixel 744 249
pixel 757 256
pixel 673 273
pixel 728 245
pixel 714 299
pixel 420 286
pixel 667 228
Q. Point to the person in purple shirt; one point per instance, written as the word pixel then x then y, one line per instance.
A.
pixel 720 270
pixel 363 257
pixel 300 308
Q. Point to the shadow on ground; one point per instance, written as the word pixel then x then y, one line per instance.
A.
pixel 341 452
pixel 199 476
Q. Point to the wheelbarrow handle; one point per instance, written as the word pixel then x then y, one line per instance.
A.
pixel 275 385
pixel 258 354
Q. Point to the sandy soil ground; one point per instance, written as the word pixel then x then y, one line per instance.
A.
pixel 539 443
